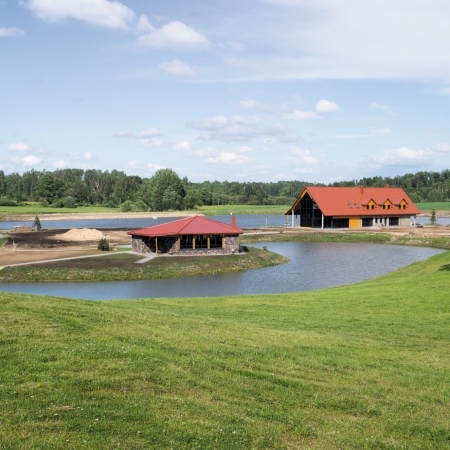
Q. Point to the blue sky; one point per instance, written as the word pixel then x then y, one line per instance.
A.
pixel 260 90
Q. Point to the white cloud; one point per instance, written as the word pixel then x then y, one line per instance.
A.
pixel 84 156
pixel 248 104
pixel 123 134
pixel 204 152
pixel 177 67
pixel 151 143
pixel 301 115
pixel 242 149
pixel 183 145
pixel 304 170
pixel 326 107
pixel 151 132
pixel 402 156
pixel 302 156
pixel 375 105
pixel 155 167
pixel 11 32
pixel 229 129
pixel 30 160
pixel 442 147
pixel 175 35
pixel 102 13
pixel 61 164
pixel 228 158
pixel 19 147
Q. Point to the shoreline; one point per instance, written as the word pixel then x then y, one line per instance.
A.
pixel 100 215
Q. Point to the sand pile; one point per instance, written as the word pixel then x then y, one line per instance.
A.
pixel 81 234
pixel 22 229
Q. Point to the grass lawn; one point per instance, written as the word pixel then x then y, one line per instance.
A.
pixel 122 266
pixel 36 208
pixel 364 366
pixel 438 206
pixel 218 210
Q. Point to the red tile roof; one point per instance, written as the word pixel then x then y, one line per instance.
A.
pixel 188 226
pixel 335 201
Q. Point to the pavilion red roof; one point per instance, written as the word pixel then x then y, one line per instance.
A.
pixel 188 226
pixel 351 201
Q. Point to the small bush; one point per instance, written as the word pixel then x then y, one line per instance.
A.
pixel 127 206
pixel 141 205
pixel 69 202
pixel 7 202
pixel 103 245
pixel 110 204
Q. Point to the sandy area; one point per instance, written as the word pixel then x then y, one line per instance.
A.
pixel 96 216
pixel 30 246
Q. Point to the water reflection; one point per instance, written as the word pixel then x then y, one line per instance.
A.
pixel 312 266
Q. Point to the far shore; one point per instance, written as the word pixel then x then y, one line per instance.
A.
pixel 135 215
pixel 100 215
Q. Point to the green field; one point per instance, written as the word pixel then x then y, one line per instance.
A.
pixel 364 366
pixel 218 210
pixel 36 208
pixel 438 206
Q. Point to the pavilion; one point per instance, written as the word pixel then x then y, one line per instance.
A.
pixel 192 235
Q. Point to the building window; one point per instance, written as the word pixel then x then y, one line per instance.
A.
pixel 216 242
pixel 393 221
pixel 367 221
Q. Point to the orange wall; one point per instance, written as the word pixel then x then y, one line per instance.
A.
pixel 354 222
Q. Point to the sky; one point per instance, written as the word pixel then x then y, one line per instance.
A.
pixel 254 90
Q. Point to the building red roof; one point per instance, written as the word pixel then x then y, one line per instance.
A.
pixel 188 226
pixel 351 201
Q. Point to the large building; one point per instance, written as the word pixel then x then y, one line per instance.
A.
pixel 351 207
pixel 193 235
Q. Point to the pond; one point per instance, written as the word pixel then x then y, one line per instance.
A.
pixel 312 266
pixel 243 221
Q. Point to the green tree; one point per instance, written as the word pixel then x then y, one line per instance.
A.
pixel 50 188
pixel 37 223
pixel 163 191
pixel 433 217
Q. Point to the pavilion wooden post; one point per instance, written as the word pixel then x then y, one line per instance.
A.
pixel 223 241
pixel 156 246
pixel 193 243
pixel 179 242
pixel 209 243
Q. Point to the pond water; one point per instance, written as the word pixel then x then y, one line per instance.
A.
pixel 312 266
pixel 243 221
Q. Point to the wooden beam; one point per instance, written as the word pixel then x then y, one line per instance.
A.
pixel 209 243
pixel 193 243
pixel 156 239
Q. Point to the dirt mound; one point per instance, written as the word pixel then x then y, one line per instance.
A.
pixel 81 234
pixel 22 229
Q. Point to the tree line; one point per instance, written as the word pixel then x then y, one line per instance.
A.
pixel 166 190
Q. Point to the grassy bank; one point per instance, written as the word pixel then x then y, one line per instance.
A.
pixel 373 238
pixel 37 208
pixel 356 237
pixel 358 367
pixel 218 210
pixel 123 267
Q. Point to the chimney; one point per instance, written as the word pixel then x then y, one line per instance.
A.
pixel 361 188
pixel 387 186
pixel 233 221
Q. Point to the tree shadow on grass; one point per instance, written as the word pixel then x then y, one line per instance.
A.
pixel 445 267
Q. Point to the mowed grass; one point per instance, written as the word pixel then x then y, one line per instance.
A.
pixel 437 206
pixel 358 367
pixel 123 266
pixel 36 208
pixel 218 210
